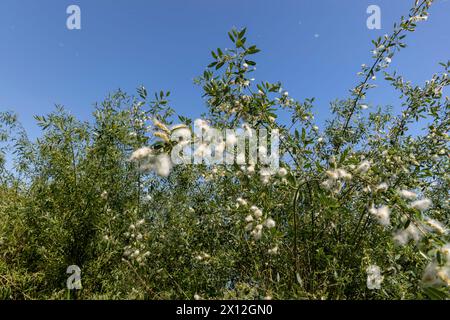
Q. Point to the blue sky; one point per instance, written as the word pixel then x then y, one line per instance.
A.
pixel 314 47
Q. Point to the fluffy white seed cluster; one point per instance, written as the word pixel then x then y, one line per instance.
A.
pixel 416 231
pixel 412 232
pixel 382 214
pixel 241 202
pixel 148 161
pixel 273 251
pixel 282 172
pixel 407 195
pixel 255 221
pixel 433 225
pixel 197 297
pixel 141 154
pixel 335 179
pixel 438 274
pixel 382 187
pixel 104 195
pixel 135 251
pixel 374 277
pixel 203 257
pixel 265 174
pixel 363 167
pixel 421 205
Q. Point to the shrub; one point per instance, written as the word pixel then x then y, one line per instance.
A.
pixel 357 210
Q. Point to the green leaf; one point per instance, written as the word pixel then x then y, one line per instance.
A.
pixel 242 33
pixel 407 224
pixel 142 92
pixel 435 294
pixel 252 50
pixel 219 65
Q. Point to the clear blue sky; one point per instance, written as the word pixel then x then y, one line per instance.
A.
pixel 314 47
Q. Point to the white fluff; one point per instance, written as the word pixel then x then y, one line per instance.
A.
pixel 374 277
pixel 436 226
pixel 363 167
pixel 382 214
pixel 141 154
pixel 421 205
pixel 411 233
pixel 408 195
pixel 282 172
pixel 163 165
pixel 270 223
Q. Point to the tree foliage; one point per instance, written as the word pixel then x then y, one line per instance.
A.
pixel 362 202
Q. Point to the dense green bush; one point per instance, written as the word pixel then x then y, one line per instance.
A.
pixel 358 210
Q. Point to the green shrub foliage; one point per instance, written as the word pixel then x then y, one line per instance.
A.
pixel 359 208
